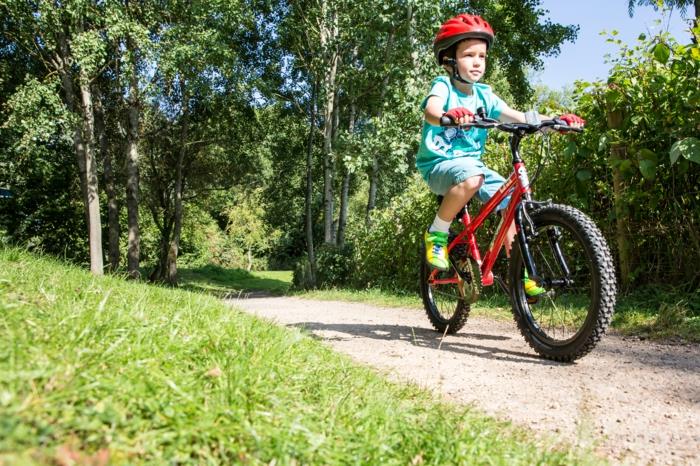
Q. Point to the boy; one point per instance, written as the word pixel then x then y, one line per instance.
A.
pixel 449 159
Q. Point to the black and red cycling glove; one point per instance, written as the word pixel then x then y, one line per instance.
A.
pixel 456 113
pixel 571 119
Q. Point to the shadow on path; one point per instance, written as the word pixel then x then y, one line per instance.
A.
pixel 462 343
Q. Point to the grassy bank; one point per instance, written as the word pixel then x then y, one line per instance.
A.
pixel 655 312
pixel 100 369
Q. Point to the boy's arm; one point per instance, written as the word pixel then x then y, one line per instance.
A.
pixel 509 115
pixel 433 112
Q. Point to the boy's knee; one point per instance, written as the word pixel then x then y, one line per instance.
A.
pixel 472 183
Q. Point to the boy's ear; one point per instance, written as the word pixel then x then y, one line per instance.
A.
pixel 449 61
pixel 449 64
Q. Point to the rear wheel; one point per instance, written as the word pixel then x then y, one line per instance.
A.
pixel 443 297
pixel 575 268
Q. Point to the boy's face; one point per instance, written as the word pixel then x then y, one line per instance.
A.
pixel 471 59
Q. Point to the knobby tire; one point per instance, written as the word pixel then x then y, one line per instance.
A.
pixel 569 320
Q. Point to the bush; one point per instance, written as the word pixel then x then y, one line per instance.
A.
pixel 386 254
pixel 637 165
pixel 333 267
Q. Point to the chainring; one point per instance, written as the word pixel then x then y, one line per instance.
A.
pixel 469 272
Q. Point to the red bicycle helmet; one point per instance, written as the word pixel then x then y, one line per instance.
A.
pixel 459 28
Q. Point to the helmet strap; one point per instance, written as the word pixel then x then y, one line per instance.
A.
pixel 455 72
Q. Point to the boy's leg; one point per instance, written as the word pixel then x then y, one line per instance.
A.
pixel 457 197
pixel 437 235
pixel 454 198
pixel 492 183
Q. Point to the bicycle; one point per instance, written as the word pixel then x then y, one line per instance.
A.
pixel 557 246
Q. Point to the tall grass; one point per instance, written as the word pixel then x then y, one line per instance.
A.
pixel 103 369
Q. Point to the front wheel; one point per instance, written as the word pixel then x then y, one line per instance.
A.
pixel 575 268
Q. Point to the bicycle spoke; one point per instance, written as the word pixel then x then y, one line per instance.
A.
pixel 562 310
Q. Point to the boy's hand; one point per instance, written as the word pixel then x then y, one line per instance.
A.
pixel 459 115
pixel 573 120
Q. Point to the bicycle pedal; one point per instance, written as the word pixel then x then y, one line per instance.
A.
pixel 536 299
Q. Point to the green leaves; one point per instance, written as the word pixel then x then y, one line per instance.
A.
pixel 38 118
pixel 571 149
pixel 613 97
pixel 648 169
pixel 647 163
pixel 90 51
pixel 583 175
pixel 689 148
pixel 662 52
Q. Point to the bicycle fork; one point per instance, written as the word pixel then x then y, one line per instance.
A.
pixel 523 241
pixel 526 230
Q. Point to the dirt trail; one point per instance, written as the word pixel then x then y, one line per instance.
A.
pixel 636 402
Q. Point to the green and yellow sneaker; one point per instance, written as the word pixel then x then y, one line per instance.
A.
pixel 532 290
pixel 436 250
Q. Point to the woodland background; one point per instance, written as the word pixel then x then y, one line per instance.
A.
pixel 138 136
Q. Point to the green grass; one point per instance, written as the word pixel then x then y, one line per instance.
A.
pixel 101 367
pixel 660 313
pixel 230 282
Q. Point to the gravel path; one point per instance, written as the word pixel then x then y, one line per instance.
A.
pixel 635 402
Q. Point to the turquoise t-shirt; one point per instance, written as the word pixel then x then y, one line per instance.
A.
pixel 439 143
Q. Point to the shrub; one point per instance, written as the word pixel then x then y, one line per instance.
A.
pixel 386 254
pixel 333 267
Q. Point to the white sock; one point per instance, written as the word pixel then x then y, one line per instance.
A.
pixel 440 225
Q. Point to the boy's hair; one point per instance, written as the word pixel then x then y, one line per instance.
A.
pixel 457 29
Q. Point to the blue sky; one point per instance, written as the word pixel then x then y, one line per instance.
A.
pixel 585 59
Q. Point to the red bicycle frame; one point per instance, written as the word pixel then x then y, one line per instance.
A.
pixel 516 186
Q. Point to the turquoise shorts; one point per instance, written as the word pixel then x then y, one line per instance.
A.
pixel 450 172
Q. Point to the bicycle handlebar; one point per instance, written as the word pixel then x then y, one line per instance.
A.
pixel 488 123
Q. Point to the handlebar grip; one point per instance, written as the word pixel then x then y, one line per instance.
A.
pixel 567 128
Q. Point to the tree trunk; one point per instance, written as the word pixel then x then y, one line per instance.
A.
pixel 95 222
pixel 174 249
pixel 73 105
pixel 618 151
pixel 373 182
pixel 329 33
pixel 410 17
pixel 334 139
pixel 78 144
pixel 345 190
pixel 112 203
pixel 374 170
pixel 165 227
pixel 310 187
pixel 132 174
pixel 697 20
